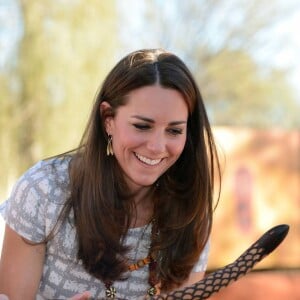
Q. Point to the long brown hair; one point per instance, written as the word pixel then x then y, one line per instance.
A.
pixel 183 205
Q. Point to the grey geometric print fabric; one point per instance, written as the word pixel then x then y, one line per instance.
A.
pixel 32 210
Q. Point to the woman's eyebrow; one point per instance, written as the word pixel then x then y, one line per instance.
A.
pixel 152 121
pixel 143 119
pixel 177 123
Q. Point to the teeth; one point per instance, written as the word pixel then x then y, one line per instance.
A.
pixel 148 161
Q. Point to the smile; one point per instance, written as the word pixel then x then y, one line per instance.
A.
pixel 148 161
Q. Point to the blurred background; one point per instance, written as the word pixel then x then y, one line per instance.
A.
pixel 244 54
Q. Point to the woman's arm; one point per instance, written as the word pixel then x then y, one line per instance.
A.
pixel 21 266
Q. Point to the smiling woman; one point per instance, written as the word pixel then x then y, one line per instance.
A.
pixel 129 212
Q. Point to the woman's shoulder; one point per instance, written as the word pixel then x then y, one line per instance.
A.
pixel 37 198
pixel 51 170
pixel 47 179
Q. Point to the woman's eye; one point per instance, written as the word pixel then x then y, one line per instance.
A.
pixel 175 131
pixel 141 126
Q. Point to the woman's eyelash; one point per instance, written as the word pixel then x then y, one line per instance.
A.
pixel 141 126
pixel 175 131
pixel 172 131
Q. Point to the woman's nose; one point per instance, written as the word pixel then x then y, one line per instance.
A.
pixel 157 143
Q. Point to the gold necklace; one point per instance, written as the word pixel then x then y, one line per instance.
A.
pixel 110 290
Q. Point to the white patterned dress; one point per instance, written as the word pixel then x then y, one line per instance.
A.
pixel 32 210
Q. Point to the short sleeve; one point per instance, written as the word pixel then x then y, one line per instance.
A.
pixel 201 265
pixel 24 210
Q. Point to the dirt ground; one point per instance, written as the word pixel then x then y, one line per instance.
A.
pixel 266 285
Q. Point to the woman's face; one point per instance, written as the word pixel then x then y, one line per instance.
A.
pixel 148 133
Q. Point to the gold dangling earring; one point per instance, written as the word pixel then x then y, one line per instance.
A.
pixel 109 149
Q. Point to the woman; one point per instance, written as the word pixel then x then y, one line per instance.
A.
pixel 129 213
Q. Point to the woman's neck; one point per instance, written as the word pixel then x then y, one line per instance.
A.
pixel 143 208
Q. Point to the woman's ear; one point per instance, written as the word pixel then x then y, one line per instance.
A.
pixel 107 116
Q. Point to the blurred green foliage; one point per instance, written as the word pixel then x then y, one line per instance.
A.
pixel 65 52
pixel 231 46
pixel 69 46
